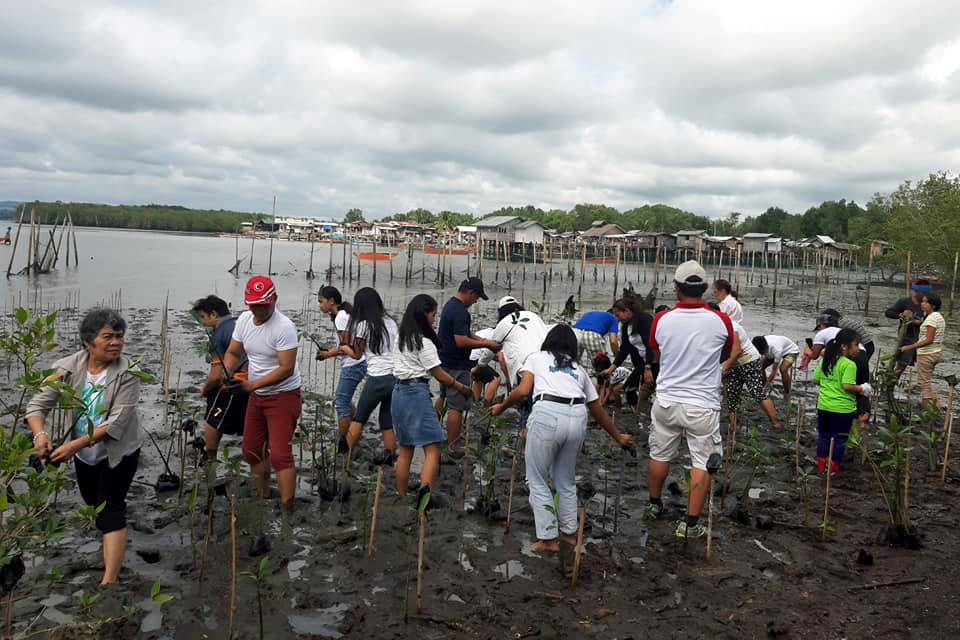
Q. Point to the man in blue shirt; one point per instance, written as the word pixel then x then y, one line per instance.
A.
pixel 225 412
pixel 595 330
pixel 456 341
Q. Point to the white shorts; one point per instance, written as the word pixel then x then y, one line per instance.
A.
pixel 671 420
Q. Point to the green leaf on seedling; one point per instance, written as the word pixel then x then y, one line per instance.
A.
pixel 22 315
pixel 156 596
pixel 424 500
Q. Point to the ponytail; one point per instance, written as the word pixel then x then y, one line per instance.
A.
pixel 831 351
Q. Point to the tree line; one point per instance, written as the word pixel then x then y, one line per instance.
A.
pixel 922 217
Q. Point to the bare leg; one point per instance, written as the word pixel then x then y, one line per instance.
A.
pixel 287 484
pixel 353 434
pixel 785 378
pixel 699 483
pixel 404 457
pixel 389 440
pixel 771 412
pixel 491 391
pixel 656 474
pixel 431 466
pixel 454 420
pixel 211 439
pixel 114 546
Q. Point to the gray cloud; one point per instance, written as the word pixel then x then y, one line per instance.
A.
pixel 475 105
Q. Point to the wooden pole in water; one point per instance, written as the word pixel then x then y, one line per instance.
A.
pixel 69 230
pixel 616 271
pixel 826 495
pixel 737 272
pixel 796 440
pixel 644 265
pixel 906 278
pixel 30 241
pixel 776 279
pixel 866 299
pixel 423 257
pixel 253 239
pixel 953 281
pixel 375 261
pixel 656 265
pixel 16 240
pixel 310 268
pixel 583 270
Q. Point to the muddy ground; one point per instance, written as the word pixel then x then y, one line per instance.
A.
pixel 483 582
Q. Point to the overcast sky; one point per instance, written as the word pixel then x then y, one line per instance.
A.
pixel 469 106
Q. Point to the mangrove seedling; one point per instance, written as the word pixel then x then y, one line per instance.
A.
pixel 257 577
pixel 755 458
pixel 158 597
pixel 86 601
pixel 889 465
pixel 803 486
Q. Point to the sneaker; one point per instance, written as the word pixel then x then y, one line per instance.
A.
pixel 653 511
pixel 696 531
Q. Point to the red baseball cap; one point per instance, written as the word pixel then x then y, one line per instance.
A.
pixel 259 290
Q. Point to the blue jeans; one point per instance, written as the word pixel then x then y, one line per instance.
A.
pixel 350 378
pixel 555 433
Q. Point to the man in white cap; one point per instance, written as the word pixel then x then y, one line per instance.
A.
pixel 519 333
pixel 692 341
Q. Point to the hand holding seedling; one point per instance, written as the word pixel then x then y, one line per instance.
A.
pixel 67 450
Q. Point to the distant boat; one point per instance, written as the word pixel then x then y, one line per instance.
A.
pixel 602 260
pixel 451 251
pixel 369 255
pixel 936 281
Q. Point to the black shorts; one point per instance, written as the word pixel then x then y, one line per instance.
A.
pixel 226 412
pixel 99 484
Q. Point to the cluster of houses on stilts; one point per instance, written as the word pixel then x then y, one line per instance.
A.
pixel 513 239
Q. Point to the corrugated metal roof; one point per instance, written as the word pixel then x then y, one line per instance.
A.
pixel 526 224
pixel 495 221
pixel 757 235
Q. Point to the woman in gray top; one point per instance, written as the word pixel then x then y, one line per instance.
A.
pixel 106 436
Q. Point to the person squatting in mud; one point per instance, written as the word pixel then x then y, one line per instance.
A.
pixel 563 395
pixel 268 340
pixel 225 412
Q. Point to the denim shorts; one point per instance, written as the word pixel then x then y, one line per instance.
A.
pixel 350 378
pixel 414 416
pixel 377 391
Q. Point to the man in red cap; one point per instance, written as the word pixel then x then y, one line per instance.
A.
pixel 270 342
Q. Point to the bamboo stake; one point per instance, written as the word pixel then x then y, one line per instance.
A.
pixel 866 300
pixel 579 551
pixel 233 556
pixel 826 497
pixel 466 457
pixel 949 428
pixel 796 441
pixel 616 271
pixel 423 527
pixel 583 270
pixel 373 516
pixel 16 240
pixel 513 476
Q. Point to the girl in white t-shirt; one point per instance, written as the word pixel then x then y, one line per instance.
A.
pixel 373 336
pixel 352 371
pixel 416 422
pixel 563 393
pixel 727 299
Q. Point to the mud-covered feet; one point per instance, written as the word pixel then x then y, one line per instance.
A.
pixel 546 546
pixel 569 538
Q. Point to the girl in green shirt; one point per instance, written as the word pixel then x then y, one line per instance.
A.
pixel 837 402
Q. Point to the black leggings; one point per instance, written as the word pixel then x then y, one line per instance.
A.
pixel 863 375
pixel 99 484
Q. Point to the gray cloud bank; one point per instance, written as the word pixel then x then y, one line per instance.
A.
pixel 710 106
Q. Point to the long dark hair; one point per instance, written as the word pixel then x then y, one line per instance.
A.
pixel 831 353
pixel 414 326
pixel 637 321
pixel 561 342
pixel 368 307
pixel 332 293
pixel 725 286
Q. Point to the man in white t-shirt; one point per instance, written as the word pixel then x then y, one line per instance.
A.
pixel 269 340
pixel 692 340
pixel 782 353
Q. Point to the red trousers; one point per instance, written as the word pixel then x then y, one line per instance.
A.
pixel 269 427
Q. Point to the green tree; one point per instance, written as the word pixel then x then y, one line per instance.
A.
pixel 354 215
